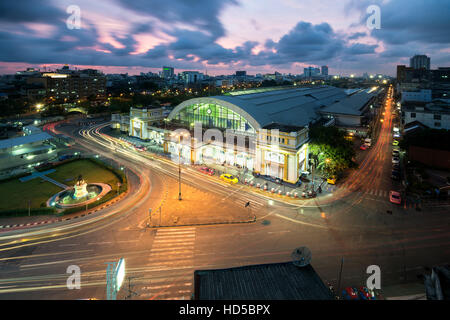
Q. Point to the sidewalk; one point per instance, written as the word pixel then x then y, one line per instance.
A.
pixel 408 291
pixel 246 177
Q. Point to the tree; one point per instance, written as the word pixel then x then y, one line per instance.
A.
pixel 334 153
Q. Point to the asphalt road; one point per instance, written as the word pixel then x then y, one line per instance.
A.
pixel 357 223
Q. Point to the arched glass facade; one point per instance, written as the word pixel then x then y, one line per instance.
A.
pixel 214 116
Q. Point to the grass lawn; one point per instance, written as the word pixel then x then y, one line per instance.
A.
pixel 91 172
pixel 15 194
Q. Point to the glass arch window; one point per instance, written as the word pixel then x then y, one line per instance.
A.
pixel 214 116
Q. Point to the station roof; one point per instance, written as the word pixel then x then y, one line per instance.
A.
pixel 10 143
pixel 354 104
pixel 287 106
pixel 276 281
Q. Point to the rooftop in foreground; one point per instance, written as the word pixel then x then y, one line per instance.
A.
pixel 276 281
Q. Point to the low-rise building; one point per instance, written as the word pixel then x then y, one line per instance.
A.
pixel 434 115
pixel 26 150
pixel 421 95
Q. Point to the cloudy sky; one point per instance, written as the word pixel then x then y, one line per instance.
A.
pixel 221 36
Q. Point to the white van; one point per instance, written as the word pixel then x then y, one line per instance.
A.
pixel 368 142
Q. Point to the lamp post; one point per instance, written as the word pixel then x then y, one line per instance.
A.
pixel 179 135
pixel 179 168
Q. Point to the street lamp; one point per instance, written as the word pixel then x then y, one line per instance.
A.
pixel 179 135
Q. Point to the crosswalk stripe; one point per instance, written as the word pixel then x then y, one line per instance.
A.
pixel 156 241
pixel 175 236
pixel 183 257
pixel 176 230
pixel 155 253
pixel 168 234
pixel 172 249
pixel 168 247
pixel 172 263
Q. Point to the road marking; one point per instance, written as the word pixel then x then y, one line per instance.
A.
pixel 172 249
pixel 164 248
pixel 157 241
pixel 174 236
pixel 301 222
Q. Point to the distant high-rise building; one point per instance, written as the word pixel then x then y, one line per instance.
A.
pixel 420 62
pixel 324 70
pixel 192 76
pixel 167 72
pixel 241 73
pixel 311 71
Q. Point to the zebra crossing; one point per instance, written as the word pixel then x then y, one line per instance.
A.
pixel 376 193
pixel 170 265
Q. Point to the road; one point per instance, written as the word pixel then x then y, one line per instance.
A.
pixel 353 224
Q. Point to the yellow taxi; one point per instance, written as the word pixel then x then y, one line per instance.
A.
pixel 332 180
pixel 229 178
pixel 395 143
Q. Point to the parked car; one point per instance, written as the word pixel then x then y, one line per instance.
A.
pixel 396 153
pixel 207 170
pixel 395 175
pixel 395 197
pixel 368 142
pixel 350 293
pixel 65 157
pixel 364 147
pixel 395 143
pixel 395 160
pixel 366 294
pixel 332 180
pixel 229 178
pixel 396 167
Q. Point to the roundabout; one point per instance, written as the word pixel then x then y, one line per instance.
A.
pixel 79 195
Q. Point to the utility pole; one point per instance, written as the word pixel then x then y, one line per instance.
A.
pixel 340 277
pixel 179 171
pixel 150 217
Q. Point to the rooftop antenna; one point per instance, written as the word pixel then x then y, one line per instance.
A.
pixel 301 257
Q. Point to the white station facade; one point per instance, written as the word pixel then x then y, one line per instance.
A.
pixel 265 130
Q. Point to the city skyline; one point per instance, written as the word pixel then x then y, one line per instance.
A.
pixel 214 37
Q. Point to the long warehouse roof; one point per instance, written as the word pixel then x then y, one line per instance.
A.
pixel 285 106
pixel 10 143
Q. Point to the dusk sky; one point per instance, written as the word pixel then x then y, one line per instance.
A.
pixel 222 36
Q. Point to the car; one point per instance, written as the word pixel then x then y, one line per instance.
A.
pixel 206 170
pixel 395 153
pixel 396 167
pixel 331 180
pixel 364 147
pixel 395 143
pixel 350 293
pixel 395 175
pixel 229 178
pixel 395 160
pixel 395 197
pixel 368 142
pixel 366 294
pixel 140 148
pixel 396 135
